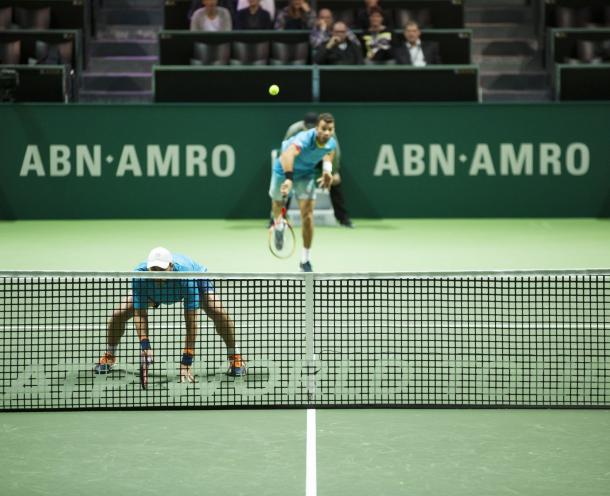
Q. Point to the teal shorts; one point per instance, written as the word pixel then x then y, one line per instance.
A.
pixel 302 188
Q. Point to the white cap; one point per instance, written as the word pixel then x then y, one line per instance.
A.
pixel 159 257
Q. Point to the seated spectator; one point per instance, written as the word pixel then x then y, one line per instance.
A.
pixel 411 50
pixel 339 50
pixel 297 15
pixel 253 17
pixel 268 5
pixel 211 17
pixel 230 5
pixel 322 31
pixel 362 17
pixel 377 40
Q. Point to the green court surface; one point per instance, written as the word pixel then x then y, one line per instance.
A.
pixel 375 245
pixel 360 452
pixel 414 452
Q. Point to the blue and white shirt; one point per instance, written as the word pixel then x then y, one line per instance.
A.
pixel 311 153
pixel 147 291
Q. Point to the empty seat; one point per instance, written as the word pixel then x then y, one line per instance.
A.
pixel 586 51
pixel 6 16
pixel 402 16
pixel 54 53
pixel 606 50
pixel 211 53
pixel 250 53
pixel 10 53
pixel 584 17
pixel 289 53
pixel 565 17
pixel 347 16
pixel 33 18
pixel 422 17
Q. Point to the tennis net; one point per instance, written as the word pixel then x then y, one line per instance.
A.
pixel 449 340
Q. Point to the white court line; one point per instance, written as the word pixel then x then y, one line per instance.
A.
pixel 310 463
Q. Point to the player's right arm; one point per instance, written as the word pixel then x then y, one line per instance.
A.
pixel 140 314
pixel 140 320
pixel 191 318
pixel 287 160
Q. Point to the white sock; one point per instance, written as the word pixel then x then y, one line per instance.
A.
pixel 111 349
pixel 305 255
pixel 233 351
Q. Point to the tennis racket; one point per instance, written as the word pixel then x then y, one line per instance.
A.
pixel 144 370
pixel 282 241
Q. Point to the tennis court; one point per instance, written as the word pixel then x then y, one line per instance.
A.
pixel 264 451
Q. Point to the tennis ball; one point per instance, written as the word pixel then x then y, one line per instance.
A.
pixel 274 89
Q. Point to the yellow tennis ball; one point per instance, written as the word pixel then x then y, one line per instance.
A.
pixel 274 89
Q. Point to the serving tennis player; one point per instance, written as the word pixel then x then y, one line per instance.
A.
pixel 294 170
pixel 150 293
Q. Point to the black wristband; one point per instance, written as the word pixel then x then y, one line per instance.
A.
pixel 289 175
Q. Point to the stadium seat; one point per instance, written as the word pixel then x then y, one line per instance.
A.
pixel 587 52
pixel 289 53
pixel 6 16
pixel 345 15
pixel 570 17
pixel 565 17
pixel 33 18
pixel 250 53
pixel 54 53
pixel 606 50
pixel 402 16
pixel 211 53
pixel 422 17
pixel 10 53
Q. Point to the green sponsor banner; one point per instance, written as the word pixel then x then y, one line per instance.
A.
pixel 213 161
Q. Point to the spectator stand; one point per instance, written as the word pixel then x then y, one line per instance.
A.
pixel 34 83
pixel 47 32
pixel 316 83
pixel 48 14
pixel 578 63
pixel 234 47
pixel 439 14
pixel 45 47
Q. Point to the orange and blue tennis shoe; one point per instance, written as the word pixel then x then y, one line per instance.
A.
pixel 105 364
pixel 237 366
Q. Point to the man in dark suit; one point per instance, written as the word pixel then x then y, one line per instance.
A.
pixel 413 51
pixel 339 50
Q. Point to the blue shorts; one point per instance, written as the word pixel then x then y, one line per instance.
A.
pixel 205 286
pixel 302 188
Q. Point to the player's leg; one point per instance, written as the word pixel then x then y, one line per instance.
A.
pixel 305 191
pixel 115 330
pixel 225 328
pixel 276 209
pixel 307 226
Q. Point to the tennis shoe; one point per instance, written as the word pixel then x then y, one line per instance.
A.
pixel 237 366
pixel 278 238
pixel 306 267
pixel 105 364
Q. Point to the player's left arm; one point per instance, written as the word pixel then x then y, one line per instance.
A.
pixel 326 179
pixel 287 159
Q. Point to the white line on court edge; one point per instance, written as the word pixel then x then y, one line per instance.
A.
pixel 310 466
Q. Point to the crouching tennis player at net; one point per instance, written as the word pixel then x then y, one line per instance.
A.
pixel 150 293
